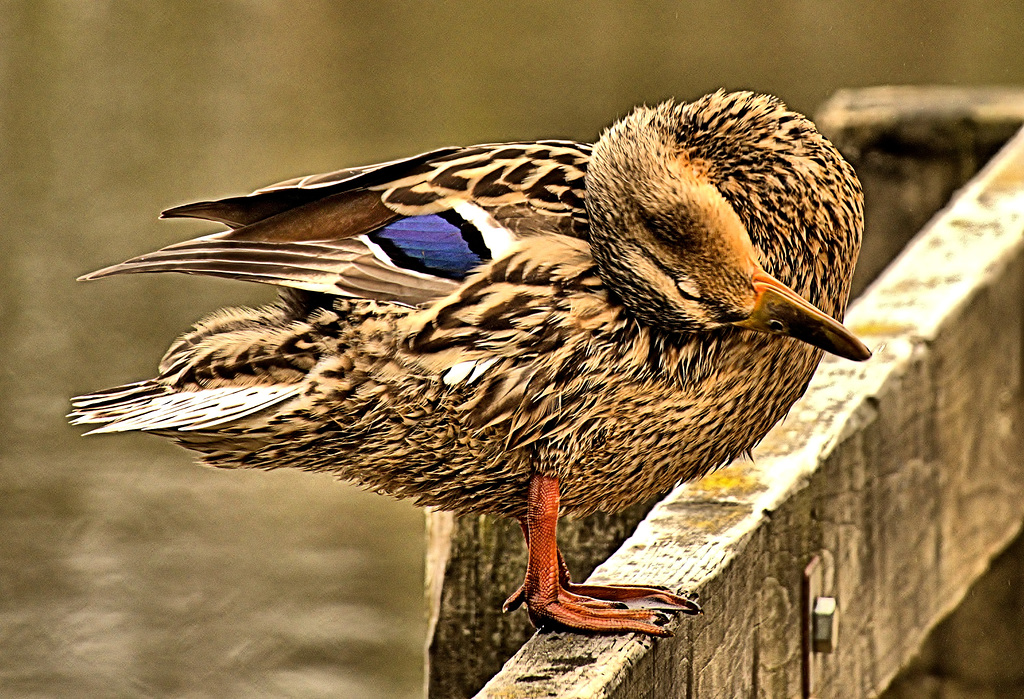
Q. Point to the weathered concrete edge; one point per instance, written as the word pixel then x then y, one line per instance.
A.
pixel 965 248
pixel 872 107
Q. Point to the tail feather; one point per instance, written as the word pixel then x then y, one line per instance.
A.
pixel 97 401
pixel 151 406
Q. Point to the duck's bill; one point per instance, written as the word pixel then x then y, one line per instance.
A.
pixel 780 310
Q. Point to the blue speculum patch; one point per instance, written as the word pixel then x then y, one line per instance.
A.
pixel 430 244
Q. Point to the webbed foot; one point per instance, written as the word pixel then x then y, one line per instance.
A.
pixel 553 600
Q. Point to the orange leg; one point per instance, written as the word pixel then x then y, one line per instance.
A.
pixel 553 599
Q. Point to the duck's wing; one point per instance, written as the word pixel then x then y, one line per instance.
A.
pixel 406 231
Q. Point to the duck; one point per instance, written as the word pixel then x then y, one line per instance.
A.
pixel 524 329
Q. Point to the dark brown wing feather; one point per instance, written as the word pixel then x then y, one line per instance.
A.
pixel 290 194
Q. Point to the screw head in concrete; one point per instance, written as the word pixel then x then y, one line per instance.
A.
pixel 824 623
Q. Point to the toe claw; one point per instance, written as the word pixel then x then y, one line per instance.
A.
pixel 515 600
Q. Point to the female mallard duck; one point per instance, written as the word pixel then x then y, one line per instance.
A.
pixel 521 329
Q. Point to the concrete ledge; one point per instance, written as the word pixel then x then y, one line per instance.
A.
pixel 900 477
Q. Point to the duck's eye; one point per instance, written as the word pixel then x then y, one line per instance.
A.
pixel 687 289
pixel 775 325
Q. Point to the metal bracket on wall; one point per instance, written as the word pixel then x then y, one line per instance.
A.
pixel 820 619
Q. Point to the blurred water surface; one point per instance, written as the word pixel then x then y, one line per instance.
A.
pixel 126 570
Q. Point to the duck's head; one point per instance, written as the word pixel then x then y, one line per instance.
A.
pixel 679 253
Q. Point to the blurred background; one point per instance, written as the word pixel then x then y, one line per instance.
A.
pixel 125 569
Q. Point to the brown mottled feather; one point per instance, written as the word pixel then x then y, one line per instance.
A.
pixel 558 356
